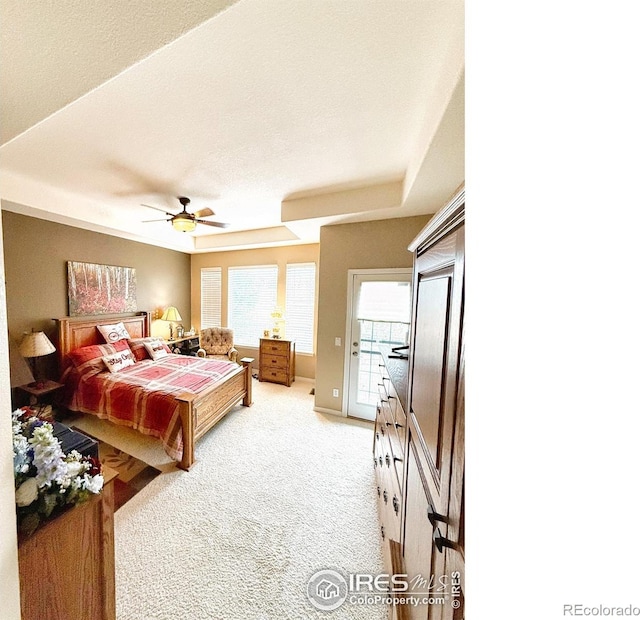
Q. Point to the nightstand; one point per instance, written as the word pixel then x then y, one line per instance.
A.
pixel 41 393
pixel 188 345
pixel 42 396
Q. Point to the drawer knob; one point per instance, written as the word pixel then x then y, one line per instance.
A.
pixel 385 496
pixel 382 531
pixel 378 491
pixel 387 460
pixel 396 504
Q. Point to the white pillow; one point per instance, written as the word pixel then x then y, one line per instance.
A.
pixel 117 361
pixel 113 333
pixel 156 350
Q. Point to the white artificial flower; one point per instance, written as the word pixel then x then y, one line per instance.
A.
pixel 75 468
pixel 27 492
pixel 93 484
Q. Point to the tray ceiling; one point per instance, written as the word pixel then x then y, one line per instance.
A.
pixel 279 116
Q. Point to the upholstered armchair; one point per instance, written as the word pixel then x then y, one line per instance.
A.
pixel 217 343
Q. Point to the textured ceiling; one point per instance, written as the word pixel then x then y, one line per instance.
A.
pixel 280 116
pixel 51 52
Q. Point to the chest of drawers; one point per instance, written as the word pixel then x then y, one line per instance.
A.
pixel 388 460
pixel 277 361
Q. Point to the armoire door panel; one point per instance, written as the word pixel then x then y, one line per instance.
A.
pixel 429 363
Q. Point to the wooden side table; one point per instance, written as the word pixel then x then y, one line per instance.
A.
pixel 188 345
pixel 41 394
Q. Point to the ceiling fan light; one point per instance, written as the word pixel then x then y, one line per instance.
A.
pixel 183 224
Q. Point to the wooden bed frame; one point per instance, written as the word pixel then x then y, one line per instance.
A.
pixel 198 412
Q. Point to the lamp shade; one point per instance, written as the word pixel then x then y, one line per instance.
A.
pixel 36 344
pixel 183 224
pixel 171 314
pixel 19 369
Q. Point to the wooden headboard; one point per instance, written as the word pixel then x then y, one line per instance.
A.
pixel 81 331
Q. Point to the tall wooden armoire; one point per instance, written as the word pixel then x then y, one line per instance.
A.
pixel 432 536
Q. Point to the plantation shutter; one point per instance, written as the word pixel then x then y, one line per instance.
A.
pixel 300 305
pixel 253 294
pixel 211 297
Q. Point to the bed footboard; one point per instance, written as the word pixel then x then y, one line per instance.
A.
pixel 198 413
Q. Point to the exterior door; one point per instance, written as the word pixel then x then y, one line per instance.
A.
pixel 378 315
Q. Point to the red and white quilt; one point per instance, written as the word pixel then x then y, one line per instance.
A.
pixel 142 396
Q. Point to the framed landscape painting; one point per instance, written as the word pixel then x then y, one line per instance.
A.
pixel 100 289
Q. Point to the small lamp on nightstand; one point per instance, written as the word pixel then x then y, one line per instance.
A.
pixel 34 345
pixel 19 369
pixel 171 314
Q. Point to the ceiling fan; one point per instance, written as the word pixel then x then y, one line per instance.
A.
pixel 185 221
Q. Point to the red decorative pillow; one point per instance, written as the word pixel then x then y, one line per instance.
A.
pixel 89 359
pixel 138 349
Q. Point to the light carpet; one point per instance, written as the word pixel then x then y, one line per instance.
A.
pixel 278 492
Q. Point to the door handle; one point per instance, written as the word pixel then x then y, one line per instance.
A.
pixel 441 542
pixel 434 518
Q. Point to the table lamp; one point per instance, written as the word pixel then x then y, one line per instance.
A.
pixel 19 369
pixel 171 314
pixel 33 346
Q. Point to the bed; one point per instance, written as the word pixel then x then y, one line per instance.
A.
pixel 177 398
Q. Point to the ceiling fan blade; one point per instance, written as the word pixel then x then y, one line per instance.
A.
pixel 147 221
pixel 158 209
pixel 203 212
pixel 216 224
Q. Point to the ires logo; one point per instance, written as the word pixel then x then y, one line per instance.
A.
pixel 328 589
pixel 456 589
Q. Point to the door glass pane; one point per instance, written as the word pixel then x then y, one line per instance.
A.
pixel 383 313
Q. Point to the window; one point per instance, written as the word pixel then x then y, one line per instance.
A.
pixel 300 305
pixel 211 297
pixel 253 294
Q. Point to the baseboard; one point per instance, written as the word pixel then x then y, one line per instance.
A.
pixel 330 411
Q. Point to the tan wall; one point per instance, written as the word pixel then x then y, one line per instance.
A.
pixel 36 254
pixel 309 253
pixel 367 245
